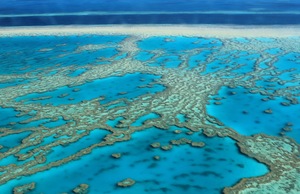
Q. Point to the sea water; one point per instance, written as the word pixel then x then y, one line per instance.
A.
pixel 170 112
pixel 52 12
pixel 183 168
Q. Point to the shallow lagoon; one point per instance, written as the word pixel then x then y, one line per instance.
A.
pixel 150 100
pixel 37 53
pixel 248 116
pixel 129 86
pixel 182 169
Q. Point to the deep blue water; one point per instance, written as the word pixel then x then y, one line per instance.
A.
pixel 260 12
pixel 36 6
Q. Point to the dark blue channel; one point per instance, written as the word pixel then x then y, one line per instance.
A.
pixel 67 6
pixel 183 18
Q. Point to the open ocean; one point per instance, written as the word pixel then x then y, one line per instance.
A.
pixel 160 107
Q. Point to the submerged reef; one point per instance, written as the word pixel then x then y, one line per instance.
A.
pixel 126 183
pixel 75 96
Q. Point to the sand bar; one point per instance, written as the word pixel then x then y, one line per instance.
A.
pixel 157 30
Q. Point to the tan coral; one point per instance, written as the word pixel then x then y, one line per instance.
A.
pixel 126 183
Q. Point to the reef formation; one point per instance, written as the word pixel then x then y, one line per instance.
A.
pixel 168 81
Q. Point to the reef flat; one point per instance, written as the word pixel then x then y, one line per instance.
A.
pixel 147 110
pixel 203 30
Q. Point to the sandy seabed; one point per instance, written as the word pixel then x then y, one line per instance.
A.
pixel 157 30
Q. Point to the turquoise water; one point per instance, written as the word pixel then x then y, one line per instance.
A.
pixel 9 115
pixel 233 59
pixel 13 140
pixel 181 118
pixel 60 152
pixel 244 112
pixel 144 118
pixel 77 72
pixel 51 50
pixel 176 44
pixel 167 61
pixel 110 88
pixel 199 58
pixel 182 169
pixel 144 56
pixel 14 82
pixel 288 61
pixel 106 98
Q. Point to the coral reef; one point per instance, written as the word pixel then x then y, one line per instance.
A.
pixel 184 89
pixel 81 189
pixel 126 183
pixel 24 188
pixel 116 155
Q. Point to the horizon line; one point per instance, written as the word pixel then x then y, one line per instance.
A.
pixel 87 13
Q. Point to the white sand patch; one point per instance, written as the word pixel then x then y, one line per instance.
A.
pixel 157 30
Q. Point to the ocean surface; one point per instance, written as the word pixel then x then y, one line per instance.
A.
pixel 64 12
pixel 139 113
